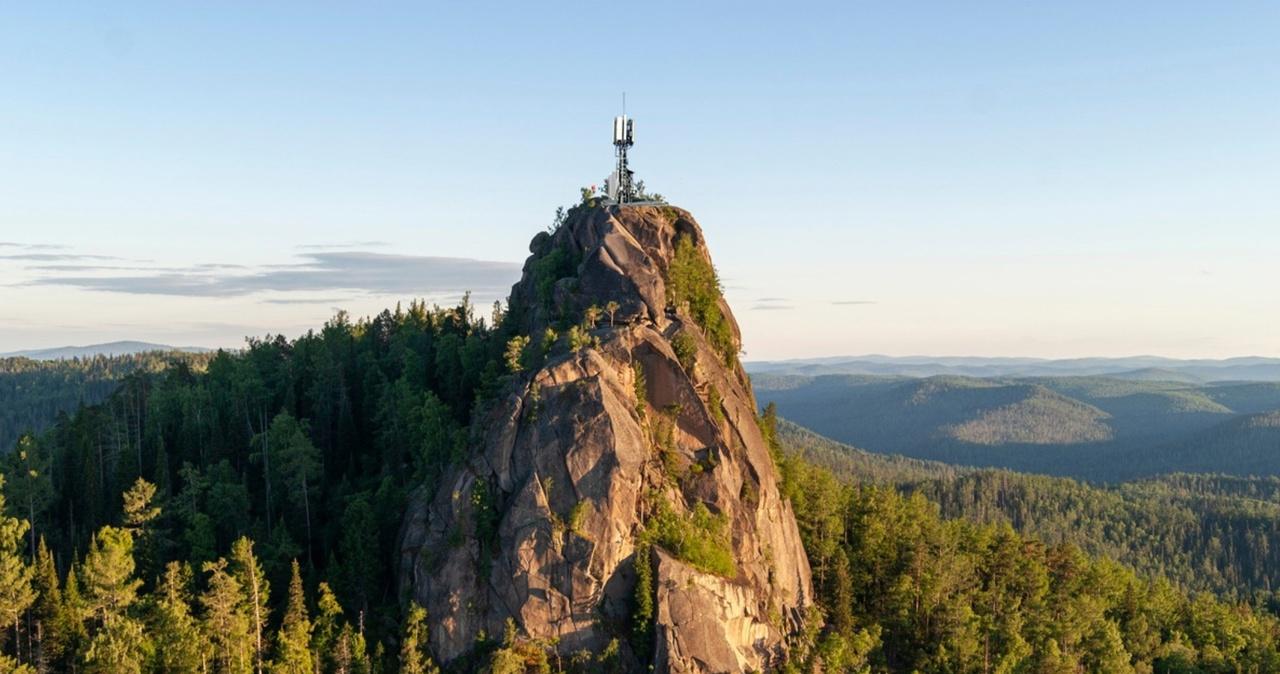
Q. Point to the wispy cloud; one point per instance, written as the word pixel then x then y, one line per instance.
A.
pixel 772 304
pixel 303 300
pixel 31 246
pixel 55 257
pixel 352 271
pixel 344 245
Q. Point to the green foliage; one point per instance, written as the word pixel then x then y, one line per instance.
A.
pixel 16 591
pixel 34 392
pixel 229 626
pixel 1071 426
pixel 699 537
pixel 906 590
pixel 1205 532
pixel 591 317
pixel 643 596
pixel 692 283
pixel 181 646
pixel 686 348
pixel 639 388
pixel 485 515
pixel 577 517
pixel 580 339
pixel 515 353
pixel 293 641
pixel 415 657
pixel 556 264
pixel 715 403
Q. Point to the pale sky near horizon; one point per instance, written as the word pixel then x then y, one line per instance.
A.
pixel 994 179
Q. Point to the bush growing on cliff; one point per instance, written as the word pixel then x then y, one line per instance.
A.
pixel 699 538
pixel 693 283
pixel 686 350
pixel 557 264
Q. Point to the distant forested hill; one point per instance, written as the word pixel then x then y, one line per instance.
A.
pixel 1096 428
pixel 1204 532
pixel 34 392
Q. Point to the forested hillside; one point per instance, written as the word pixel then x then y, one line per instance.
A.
pixel 244 512
pixel 1095 428
pixel 169 578
pixel 34 392
pixel 1203 532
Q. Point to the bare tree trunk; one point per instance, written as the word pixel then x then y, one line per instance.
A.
pixel 266 466
pixel 306 509
pixel 257 616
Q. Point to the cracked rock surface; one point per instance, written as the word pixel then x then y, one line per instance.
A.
pixel 565 470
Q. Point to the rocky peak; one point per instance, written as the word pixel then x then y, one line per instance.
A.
pixel 620 500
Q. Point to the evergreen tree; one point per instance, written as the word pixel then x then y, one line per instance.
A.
pixel 50 640
pixel 358 551
pixel 225 621
pixel 140 515
pixel 28 486
pixel 119 644
pixel 415 657
pixel 16 591
pixel 71 619
pixel 324 640
pixel 293 641
pixel 256 589
pixel 299 466
pixel 180 644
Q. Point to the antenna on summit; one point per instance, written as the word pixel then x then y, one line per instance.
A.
pixel 619 185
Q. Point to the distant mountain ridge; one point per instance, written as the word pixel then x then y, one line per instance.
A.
pixel 1090 427
pixel 120 348
pixel 1246 368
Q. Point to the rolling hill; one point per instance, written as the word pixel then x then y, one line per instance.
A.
pixel 1090 427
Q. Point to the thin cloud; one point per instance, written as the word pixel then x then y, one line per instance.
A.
pixel 302 300
pixel 345 245
pixel 768 300
pixel 772 307
pixel 352 271
pixel 56 257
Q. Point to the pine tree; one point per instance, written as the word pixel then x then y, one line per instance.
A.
pixel 293 641
pixel 328 624
pixel 414 656
pixel 299 464
pixel 225 622
pixel 181 646
pixel 119 645
pixel 29 486
pixel 71 617
pixel 139 519
pixel 16 591
pixel 248 573
pixel 50 642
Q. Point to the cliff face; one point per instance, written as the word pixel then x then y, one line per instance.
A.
pixel 620 489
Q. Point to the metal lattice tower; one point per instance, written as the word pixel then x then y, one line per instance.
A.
pixel 620 186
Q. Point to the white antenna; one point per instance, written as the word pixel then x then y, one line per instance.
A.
pixel 619 185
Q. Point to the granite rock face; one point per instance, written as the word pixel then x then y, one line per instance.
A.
pixel 541 526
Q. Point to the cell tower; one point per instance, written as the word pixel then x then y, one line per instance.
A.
pixel 619 186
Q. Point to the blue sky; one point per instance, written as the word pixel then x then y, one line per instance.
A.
pixel 1022 179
